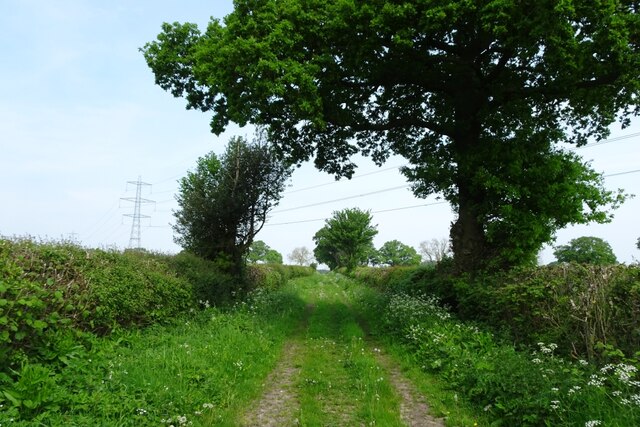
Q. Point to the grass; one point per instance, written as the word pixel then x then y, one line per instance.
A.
pixel 510 387
pixel 340 382
pixel 207 368
pixel 200 372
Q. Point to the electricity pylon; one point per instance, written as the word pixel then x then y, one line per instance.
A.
pixel 134 240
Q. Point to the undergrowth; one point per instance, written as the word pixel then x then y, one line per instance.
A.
pixel 511 387
pixel 200 371
pixel 57 299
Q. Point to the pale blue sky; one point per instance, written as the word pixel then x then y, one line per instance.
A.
pixel 80 116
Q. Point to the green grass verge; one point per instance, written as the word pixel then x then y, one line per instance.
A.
pixel 202 371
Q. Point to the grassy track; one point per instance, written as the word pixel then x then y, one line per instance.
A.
pixel 340 383
pixel 342 377
pixel 297 356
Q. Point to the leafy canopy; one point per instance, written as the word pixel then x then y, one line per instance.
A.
pixel 346 240
pixel 224 203
pixel 260 252
pixel 586 250
pixel 473 93
pixel 394 253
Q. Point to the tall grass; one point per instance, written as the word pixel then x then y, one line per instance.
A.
pixel 511 387
pixel 201 371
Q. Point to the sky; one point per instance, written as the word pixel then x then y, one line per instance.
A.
pixel 81 121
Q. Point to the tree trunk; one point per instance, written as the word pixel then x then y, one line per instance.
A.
pixel 469 245
pixel 468 240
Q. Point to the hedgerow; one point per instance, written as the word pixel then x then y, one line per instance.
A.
pixel 592 312
pixel 54 292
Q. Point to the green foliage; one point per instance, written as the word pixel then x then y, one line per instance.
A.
pixel 259 251
pixel 224 202
pixel 346 240
pixel 526 388
pixel 586 250
pixel 274 275
pixel 202 370
pixel 55 298
pixel 384 278
pixel 394 253
pixel 212 284
pixel 473 94
pixel 52 294
pixel 574 306
pixel 273 257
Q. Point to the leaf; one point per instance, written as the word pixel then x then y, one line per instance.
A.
pixel 14 399
pixel 39 324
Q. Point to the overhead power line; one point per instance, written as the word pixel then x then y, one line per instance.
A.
pixel 373 212
pixel 342 199
pixel 608 140
pixel 338 182
pixel 621 173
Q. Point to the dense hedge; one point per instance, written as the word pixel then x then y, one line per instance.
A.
pixel 49 291
pixel 588 311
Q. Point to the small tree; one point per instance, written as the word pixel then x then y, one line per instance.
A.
pixel 273 257
pixel 300 256
pixel 586 250
pixel 224 203
pixel 395 253
pixel 346 240
pixel 638 243
pixel 259 251
pixel 435 250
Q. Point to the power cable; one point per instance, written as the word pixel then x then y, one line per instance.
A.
pixel 373 212
pixel 341 199
pixel 608 140
pixel 338 182
pixel 621 173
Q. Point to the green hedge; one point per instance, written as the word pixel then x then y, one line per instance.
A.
pixel 51 290
pixel 588 311
pixel 272 276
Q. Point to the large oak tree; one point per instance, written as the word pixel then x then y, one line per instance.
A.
pixel 475 94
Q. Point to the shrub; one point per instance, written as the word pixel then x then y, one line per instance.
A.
pixel 575 306
pixel 208 279
pixel 514 388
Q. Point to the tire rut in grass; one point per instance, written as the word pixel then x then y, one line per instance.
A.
pixel 279 403
pixel 414 409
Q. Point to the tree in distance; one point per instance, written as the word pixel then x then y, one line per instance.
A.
pixel 224 203
pixel 346 240
pixel 586 250
pixel 435 250
pixel 300 256
pixel 260 252
pixel 476 95
pixel 396 253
